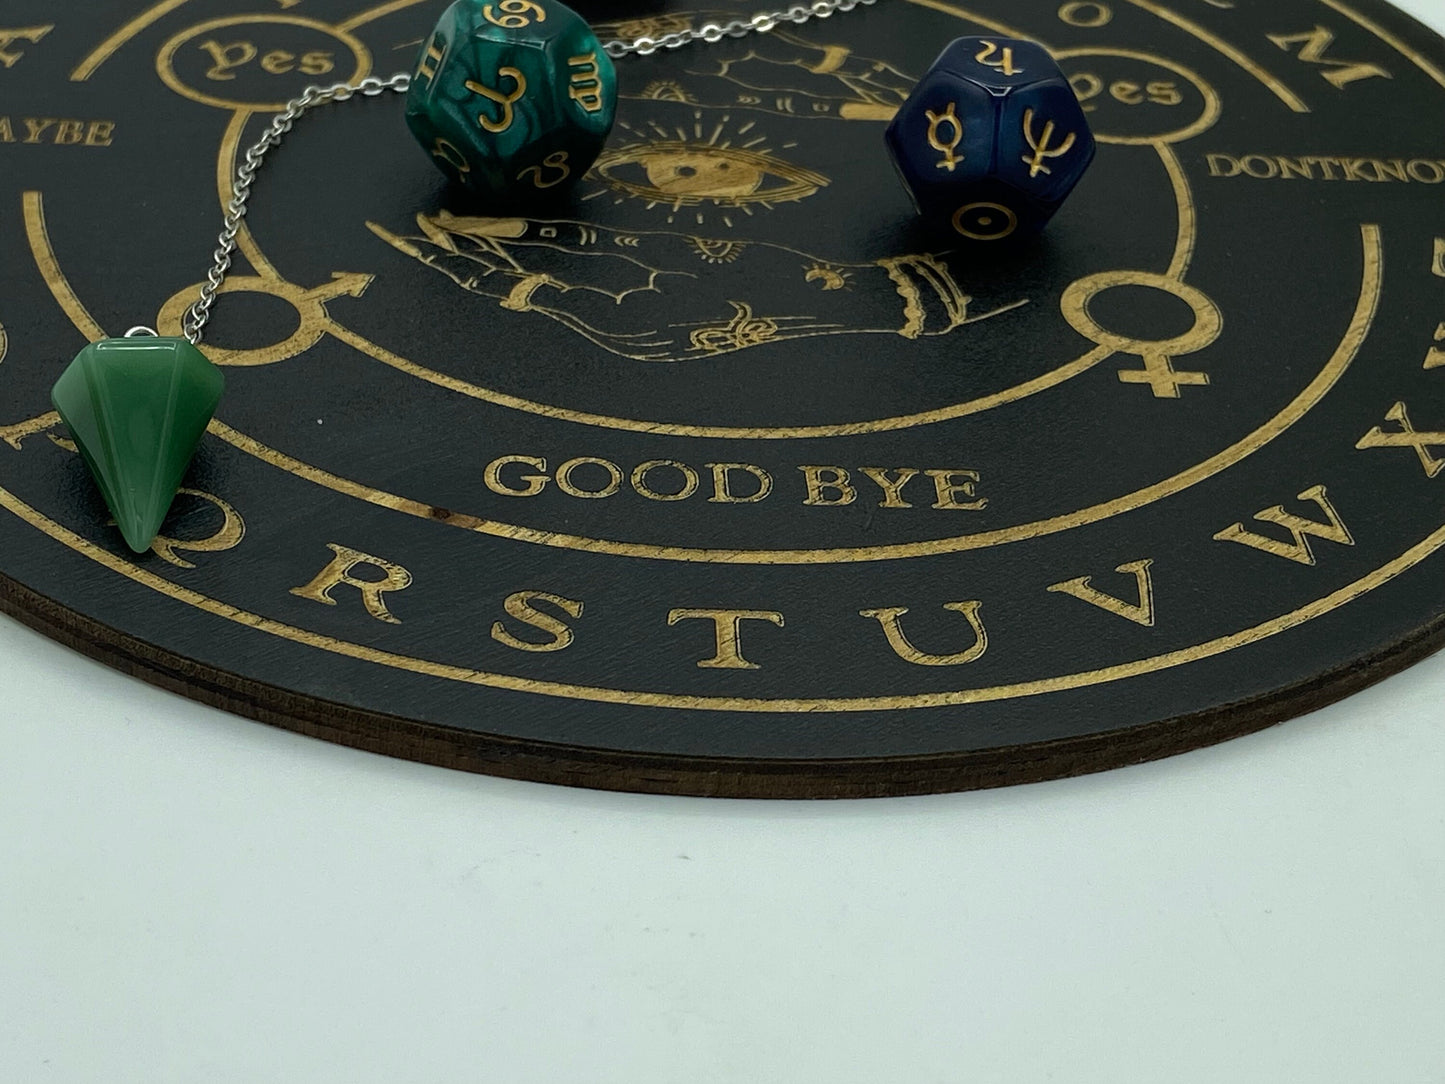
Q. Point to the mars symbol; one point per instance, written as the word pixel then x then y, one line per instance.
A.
pixel 724 477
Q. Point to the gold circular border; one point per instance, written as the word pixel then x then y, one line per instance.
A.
pixel 854 554
pixel 166 69
pixel 1361 322
pixel 1213 105
pixel 1343 356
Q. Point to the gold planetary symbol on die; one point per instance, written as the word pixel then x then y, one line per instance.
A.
pixel 1041 145
pixel 1005 61
pixel 936 120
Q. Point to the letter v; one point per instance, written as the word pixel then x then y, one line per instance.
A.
pixel 1141 613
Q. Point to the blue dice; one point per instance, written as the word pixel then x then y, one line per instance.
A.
pixel 992 140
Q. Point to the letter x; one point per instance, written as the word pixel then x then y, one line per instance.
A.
pixel 1407 437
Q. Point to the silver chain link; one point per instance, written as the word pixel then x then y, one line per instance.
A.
pixel 193 325
pixel 737 28
pixel 199 313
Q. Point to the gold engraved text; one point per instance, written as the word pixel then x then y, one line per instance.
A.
pixel 935 138
pixel 1005 61
pixel 892 486
pixel 1301 530
pixel 1141 612
pixel 1407 437
pixel 10 56
pixel 1088 86
pixel 584 86
pixel 722 492
pixel 572 489
pixel 225 59
pixel 58 131
pixel 1314 44
pixel 1042 145
pixel 672 480
pixel 828 487
pixel 952 484
pixel 890 618
pixel 728 626
pixel 504 101
pixel 520 606
pixel 339 574
pixel 227 537
pixel 643 487
pixel 532 484
pixel 1319 167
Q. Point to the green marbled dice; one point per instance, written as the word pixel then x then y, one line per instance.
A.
pixel 512 98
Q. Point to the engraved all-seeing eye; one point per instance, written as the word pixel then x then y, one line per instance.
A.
pixel 686 175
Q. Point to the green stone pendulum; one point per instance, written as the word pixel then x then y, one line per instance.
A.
pixel 137 408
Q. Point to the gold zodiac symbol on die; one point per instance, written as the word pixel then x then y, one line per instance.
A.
pixel 504 100
pixel 950 118
pixel 556 160
pixel 585 85
pixel 1004 64
pixel 449 154
pixel 1040 145
pixel 516 14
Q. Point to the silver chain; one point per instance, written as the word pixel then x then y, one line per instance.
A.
pixel 737 28
pixel 193 325
pixel 199 313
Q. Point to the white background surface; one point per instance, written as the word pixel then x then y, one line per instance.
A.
pixel 187 896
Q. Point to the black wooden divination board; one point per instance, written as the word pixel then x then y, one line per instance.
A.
pixel 1187 446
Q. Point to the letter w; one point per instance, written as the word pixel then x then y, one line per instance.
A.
pixel 1301 530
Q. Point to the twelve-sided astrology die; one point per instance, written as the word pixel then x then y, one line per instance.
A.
pixel 992 140
pixel 512 98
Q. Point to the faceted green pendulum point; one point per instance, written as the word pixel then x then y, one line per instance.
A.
pixel 137 408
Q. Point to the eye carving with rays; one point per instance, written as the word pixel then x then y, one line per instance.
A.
pixel 679 169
